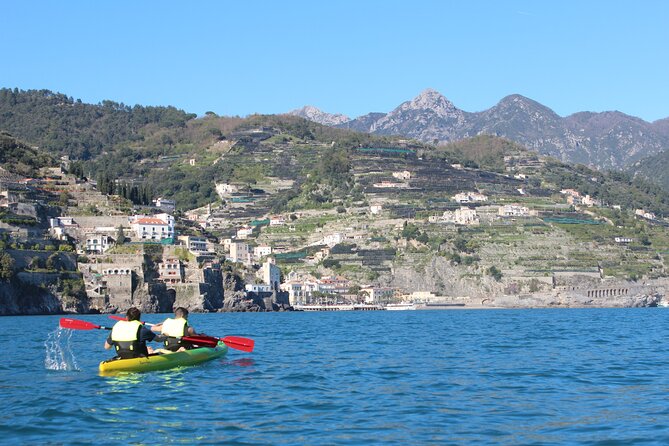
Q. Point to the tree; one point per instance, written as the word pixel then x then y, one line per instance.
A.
pixel 120 235
pixel 495 273
pixel 53 262
pixel 6 266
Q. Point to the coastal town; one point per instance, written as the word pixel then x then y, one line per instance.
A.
pixel 152 256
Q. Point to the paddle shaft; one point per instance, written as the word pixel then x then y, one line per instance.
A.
pixel 76 324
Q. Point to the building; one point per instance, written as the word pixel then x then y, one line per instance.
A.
pixel 378 294
pixel 513 210
pixel 196 245
pixel 98 243
pixel 165 205
pixel 257 288
pixel 156 227
pixel 333 239
pixel 277 220
pixel 375 209
pixel 643 214
pixel 403 175
pixel 462 216
pixel 294 290
pixel 170 270
pixel 469 197
pixel 261 251
pixel 240 252
pixel 271 274
pixel 244 232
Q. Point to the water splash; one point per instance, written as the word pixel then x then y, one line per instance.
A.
pixel 59 355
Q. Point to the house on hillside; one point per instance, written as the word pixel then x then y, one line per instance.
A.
pixel 155 227
pixel 97 243
pixel 469 197
pixel 513 210
pixel 165 205
pixel 244 232
pixel 170 270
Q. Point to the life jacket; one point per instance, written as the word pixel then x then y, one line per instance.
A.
pixel 125 337
pixel 174 330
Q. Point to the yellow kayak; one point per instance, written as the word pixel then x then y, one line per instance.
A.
pixel 163 361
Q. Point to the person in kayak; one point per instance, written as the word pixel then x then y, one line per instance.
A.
pixel 129 337
pixel 173 329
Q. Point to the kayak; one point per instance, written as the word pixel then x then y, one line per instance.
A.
pixel 163 361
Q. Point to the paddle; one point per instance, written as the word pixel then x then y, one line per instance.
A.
pixel 76 324
pixel 236 342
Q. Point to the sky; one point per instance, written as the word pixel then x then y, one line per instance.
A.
pixel 351 57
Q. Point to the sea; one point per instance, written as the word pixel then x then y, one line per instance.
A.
pixel 434 377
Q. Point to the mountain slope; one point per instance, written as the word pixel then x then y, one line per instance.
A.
pixel 607 140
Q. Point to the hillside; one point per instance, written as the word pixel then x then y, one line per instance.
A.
pixel 21 159
pixel 384 211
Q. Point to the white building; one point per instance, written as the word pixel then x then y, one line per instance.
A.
pixel 225 189
pixel 196 245
pixel 154 227
pixel 294 290
pixel 462 216
pixel 244 232
pixel 403 175
pixel 258 288
pixel 513 210
pixel 98 243
pixel 470 197
pixel 277 220
pixel 333 239
pixel 271 274
pixel 261 251
pixel 375 209
pixel 644 214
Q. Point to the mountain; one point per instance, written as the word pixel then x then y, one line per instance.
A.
pixel 607 140
pixel 315 115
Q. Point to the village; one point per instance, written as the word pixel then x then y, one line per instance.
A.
pixel 126 254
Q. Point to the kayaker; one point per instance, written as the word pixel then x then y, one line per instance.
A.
pixel 129 337
pixel 173 329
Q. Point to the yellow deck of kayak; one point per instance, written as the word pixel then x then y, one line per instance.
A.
pixel 163 361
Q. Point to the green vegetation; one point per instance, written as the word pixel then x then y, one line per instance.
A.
pixel 21 159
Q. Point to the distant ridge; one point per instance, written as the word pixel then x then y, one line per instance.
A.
pixel 606 140
pixel 313 114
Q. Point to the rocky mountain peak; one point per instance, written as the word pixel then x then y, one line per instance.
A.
pixel 431 100
pixel 316 115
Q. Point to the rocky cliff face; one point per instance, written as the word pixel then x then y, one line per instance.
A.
pixel 610 140
pixel 313 114
pixel 478 289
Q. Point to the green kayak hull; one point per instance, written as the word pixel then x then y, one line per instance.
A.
pixel 163 361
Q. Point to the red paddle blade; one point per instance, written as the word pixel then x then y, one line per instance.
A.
pixel 75 324
pixel 243 344
pixel 205 341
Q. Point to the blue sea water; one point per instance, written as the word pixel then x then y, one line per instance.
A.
pixel 509 377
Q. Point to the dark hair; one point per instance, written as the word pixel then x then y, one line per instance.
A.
pixel 133 314
pixel 181 312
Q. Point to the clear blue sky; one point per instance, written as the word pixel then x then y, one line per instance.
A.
pixel 351 57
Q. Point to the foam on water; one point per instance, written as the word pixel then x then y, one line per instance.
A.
pixel 59 355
